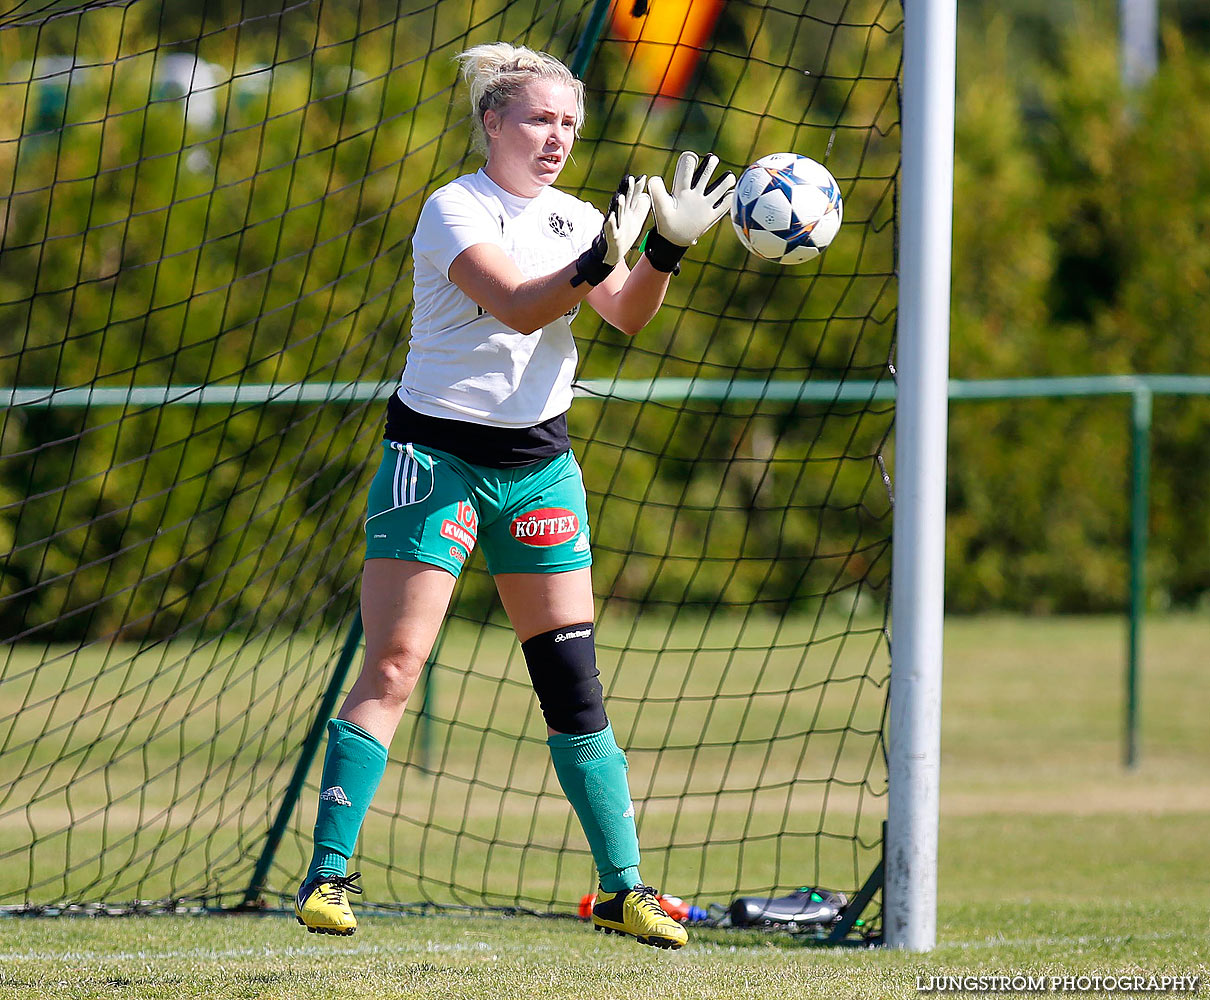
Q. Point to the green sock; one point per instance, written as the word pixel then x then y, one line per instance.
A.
pixel 592 770
pixel 352 769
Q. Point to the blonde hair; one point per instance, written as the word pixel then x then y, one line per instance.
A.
pixel 496 73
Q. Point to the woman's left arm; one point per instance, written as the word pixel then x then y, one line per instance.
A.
pixel 629 299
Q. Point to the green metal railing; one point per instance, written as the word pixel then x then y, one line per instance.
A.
pixel 1141 389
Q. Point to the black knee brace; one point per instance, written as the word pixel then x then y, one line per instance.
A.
pixel 563 667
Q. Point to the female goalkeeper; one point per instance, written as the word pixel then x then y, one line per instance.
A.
pixel 476 452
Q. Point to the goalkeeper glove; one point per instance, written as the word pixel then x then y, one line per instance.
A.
pixel 685 214
pixel 623 222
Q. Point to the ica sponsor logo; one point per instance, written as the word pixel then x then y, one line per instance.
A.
pixel 547 526
pixel 464 530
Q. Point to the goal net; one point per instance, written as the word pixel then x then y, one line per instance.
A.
pixel 205 295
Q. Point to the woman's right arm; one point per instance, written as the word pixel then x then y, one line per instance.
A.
pixel 494 282
pixel 485 273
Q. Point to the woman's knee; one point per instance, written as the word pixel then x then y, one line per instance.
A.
pixel 563 667
pixel 392 675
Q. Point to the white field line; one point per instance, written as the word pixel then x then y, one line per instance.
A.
pixel 75 957
pixel 1055 940
pixel 481 947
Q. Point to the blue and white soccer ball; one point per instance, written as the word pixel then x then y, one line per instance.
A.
pixel 787 208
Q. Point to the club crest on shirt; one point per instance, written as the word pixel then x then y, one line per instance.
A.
pixel 560 225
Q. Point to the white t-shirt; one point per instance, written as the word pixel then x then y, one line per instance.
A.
pixel 463 363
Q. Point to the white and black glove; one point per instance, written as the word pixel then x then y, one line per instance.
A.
pixel 623 223
pixel 686 213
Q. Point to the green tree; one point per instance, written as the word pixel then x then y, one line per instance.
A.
pixel 1077 251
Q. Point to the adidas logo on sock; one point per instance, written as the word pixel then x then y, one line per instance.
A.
pixel 335 794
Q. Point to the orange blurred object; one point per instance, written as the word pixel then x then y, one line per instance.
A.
pixel 675 907
pixel 586 904
pixel 667 42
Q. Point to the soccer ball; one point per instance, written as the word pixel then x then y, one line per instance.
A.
pixel 787 208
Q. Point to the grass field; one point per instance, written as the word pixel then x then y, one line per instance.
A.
pixel 1054 860
pixel 151 773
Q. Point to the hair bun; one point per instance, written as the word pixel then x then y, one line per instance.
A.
pixel 496 72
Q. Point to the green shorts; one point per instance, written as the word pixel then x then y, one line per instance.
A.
pixel 428 506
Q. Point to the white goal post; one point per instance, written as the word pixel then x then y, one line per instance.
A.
pixel 918 565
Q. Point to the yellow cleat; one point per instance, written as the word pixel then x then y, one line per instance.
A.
pixel 638 913
pixel 322 904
